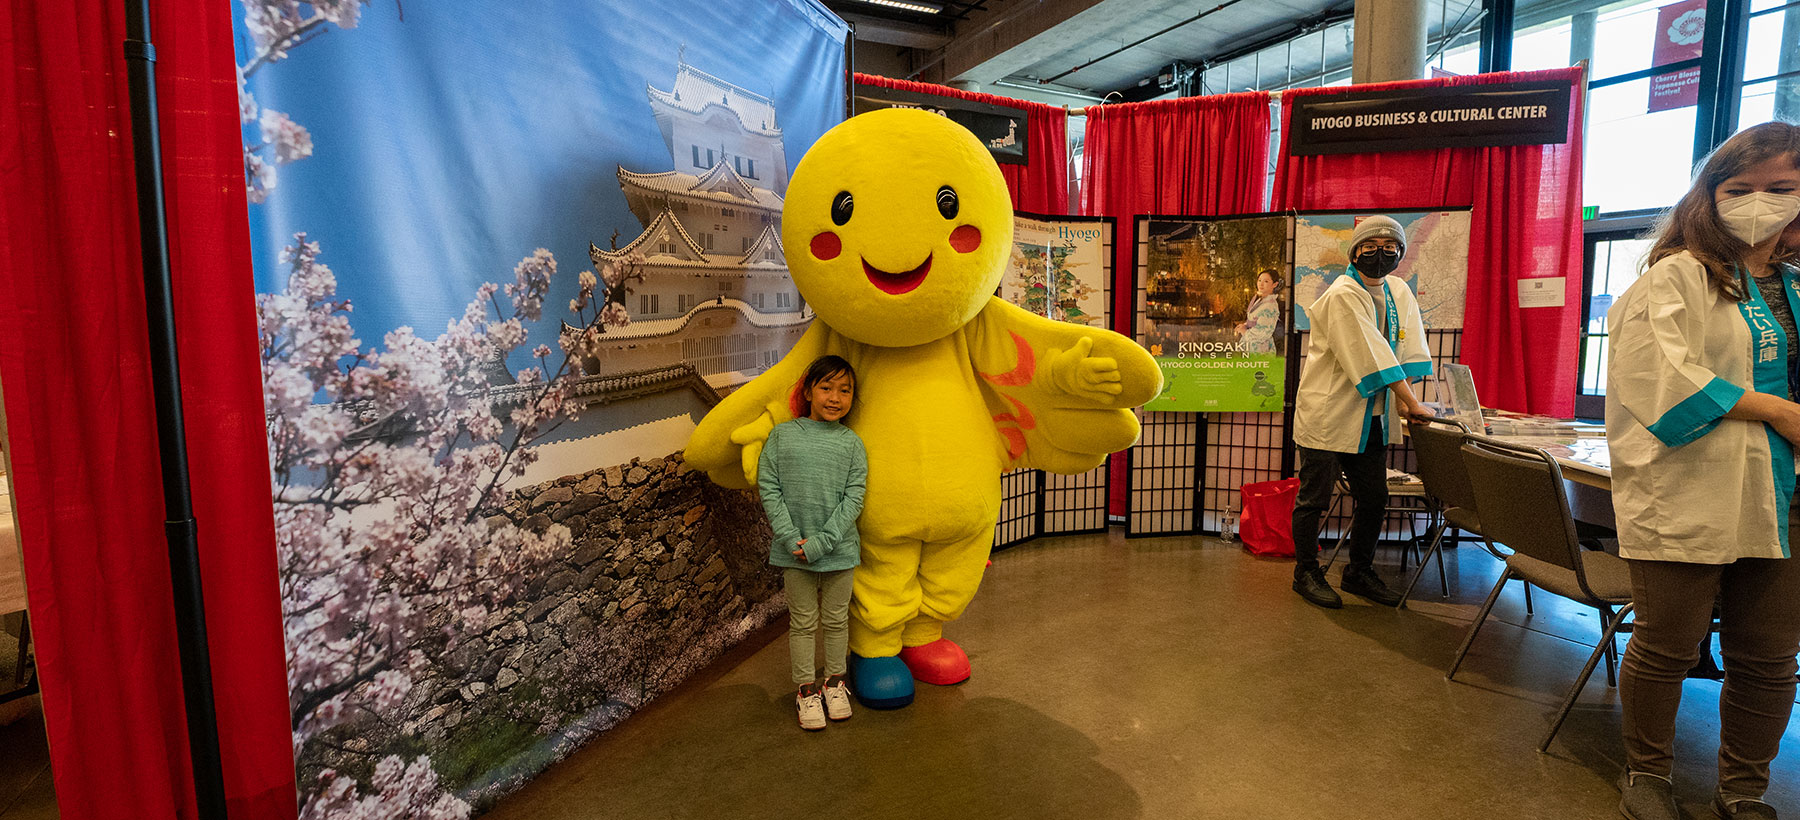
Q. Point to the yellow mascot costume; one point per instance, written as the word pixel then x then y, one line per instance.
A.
pixel 897 228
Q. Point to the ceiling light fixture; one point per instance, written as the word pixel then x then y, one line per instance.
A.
pixel 904 5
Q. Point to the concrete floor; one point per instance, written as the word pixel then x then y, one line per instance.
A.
pixel 26 792
pixel 1160 678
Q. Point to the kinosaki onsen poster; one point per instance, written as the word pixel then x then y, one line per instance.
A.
pixel 1214 310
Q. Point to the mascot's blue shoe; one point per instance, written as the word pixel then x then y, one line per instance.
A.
pixel 881 683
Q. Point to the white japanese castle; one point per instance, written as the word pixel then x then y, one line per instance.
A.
pixel 716 292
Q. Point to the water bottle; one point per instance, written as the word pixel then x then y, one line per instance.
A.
pixel 1228 525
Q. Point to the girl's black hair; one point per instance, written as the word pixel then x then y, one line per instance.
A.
pixel 822 368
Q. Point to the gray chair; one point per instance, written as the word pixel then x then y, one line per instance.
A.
pixel 1399 502
pixel 1524 505
pixel 1438 446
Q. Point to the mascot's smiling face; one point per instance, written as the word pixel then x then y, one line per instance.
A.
pixel 897 227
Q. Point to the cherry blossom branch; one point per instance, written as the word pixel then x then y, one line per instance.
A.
pixel 265 55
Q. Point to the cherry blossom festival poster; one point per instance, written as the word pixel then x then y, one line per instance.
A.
pixel 507 256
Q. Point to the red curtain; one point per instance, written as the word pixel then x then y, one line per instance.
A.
pixel 73 358
pixel 1042 186
pixel 1526 223
pixel 1195 156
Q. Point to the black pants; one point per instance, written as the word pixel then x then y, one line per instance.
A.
pixel 1366 473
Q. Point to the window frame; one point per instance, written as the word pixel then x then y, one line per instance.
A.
pixel 1634 226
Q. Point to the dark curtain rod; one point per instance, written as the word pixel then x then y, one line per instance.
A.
pixel 178 506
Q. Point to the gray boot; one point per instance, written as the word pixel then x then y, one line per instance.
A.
pixel 1747 808
pixel 1647 797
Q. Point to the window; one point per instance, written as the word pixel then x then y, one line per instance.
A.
pixel 1644 64
pixel 1771 64
pixel 1614 261
pixel 746 247
pixel 697 157
pixel 759 301
pixel 1635 159
pixel 649 303
pixel 781 300
pixel 683 302
pixel 750 168
pixel 709 158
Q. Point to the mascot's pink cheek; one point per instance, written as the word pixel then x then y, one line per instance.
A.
pixel 827 246
pixel 965 239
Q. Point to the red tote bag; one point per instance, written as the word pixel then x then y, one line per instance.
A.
pixel 1267 525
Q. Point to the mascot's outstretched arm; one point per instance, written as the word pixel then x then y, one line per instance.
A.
pixel 1062 393
pixel 728 442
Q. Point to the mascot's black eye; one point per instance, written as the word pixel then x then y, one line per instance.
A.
pixel 946 201
pixel 841 206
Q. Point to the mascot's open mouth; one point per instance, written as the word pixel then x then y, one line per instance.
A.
pixel 897 283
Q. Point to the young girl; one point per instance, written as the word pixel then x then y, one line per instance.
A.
pixel 1701 423
pixel 811 474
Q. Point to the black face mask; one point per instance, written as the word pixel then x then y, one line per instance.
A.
pixel 1377 263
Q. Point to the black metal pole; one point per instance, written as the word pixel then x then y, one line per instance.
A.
pixel 1496 35
pixel 178 507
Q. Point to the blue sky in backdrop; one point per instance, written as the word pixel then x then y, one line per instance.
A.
pixel 449 145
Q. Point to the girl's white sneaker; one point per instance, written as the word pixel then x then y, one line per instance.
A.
pixel 837 698
pixel 812 708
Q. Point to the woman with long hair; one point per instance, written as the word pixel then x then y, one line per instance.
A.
pixel 1262 317
pixel 1701 421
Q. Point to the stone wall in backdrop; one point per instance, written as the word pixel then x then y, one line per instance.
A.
pixel 665 572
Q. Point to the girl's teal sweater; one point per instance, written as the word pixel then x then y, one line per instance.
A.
pixel 811 475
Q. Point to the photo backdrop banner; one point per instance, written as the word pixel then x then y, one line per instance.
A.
pixel 1214 310
pixel 507 256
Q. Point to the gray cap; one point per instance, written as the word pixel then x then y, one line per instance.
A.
pixel 1378 227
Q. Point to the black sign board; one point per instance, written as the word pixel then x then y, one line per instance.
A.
pixel 1000 128
pixel 1527 113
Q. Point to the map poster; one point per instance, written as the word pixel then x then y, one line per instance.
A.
pixel 1059 267
pixel 1214 310
pixel 1435 266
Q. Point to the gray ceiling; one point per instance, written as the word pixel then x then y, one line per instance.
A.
pixel 1114 23
pixel 1022 42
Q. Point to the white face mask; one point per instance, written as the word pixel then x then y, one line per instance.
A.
pixel 1758 216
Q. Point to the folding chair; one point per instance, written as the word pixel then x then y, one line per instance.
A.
pixel 1405 499
pixel 1438 445
pixel 1519 491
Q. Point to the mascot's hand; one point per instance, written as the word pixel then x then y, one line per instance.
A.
pixel 1095 378
pixel 751 437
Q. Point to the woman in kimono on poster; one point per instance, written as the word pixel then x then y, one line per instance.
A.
pixel 1701 420
pixel 1262 317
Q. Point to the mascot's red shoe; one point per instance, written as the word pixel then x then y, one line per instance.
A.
pixel 941 662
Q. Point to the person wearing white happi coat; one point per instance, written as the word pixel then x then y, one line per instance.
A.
pixel 1367 341
pixel 1700 422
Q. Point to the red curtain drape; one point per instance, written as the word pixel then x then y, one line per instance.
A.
pixel 73 359
pixel 1526 223
pixel 1042 186
pixel 1195 156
